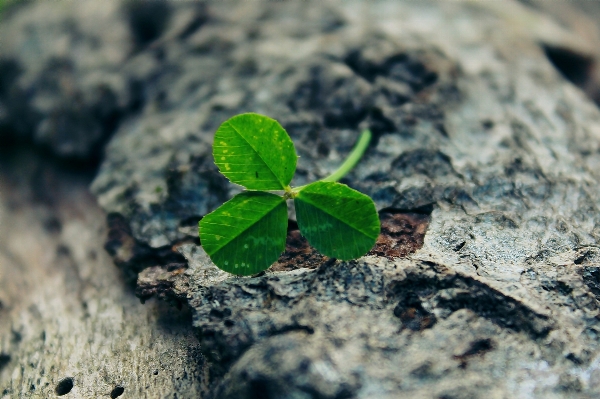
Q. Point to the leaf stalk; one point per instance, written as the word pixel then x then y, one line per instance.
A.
pixel 355 156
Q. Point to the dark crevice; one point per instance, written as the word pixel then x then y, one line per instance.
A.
pixel 79 124
pixel 361 67
pixel 201 17
pixel 147 20
pixel 191 221
pixel 591 278
pixel 133 256
pixel 575 359
pixel 379 125
pixel 558 286
pixel 219 313
pixel 401 67
pixel 85 167
pixel 17 119
pixel 503 311
pixel 459 246
pixel 74 132
pixel 290 328
pixel 344 115
pixel 576 68
pixel 476 296
pixel 476 348
pixel 579 260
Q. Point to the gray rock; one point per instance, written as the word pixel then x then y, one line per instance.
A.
pixel 63 86
pixel 474 128
pixel 68 323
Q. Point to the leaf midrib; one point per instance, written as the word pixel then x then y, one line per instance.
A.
pixel 333 216
pixel 257 153
pixel 249 226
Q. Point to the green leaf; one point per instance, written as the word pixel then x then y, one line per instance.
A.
pixel 246 234
pixel 338 221
pixel 254 151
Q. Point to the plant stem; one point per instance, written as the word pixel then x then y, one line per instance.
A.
pixel 355 156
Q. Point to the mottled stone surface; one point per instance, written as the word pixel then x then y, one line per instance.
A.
pixel 68 322
pixel 474 128
pixel 484 166
pixel 63 85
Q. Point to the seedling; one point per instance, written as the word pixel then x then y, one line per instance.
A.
pixel 247 234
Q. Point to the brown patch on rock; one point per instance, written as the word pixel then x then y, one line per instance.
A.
pixel 298 253
pixel 416 318
pixel 401 234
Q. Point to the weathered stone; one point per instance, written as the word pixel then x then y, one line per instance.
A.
pixel 474 129
pixel 62 85
pixel 484 167
pixel 69 326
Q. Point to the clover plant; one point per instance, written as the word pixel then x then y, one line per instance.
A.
pixel 247 234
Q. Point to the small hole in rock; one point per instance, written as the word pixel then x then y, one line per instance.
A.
pixel 4 359
pixel 116 392
pixel 64 386
pixel 487 124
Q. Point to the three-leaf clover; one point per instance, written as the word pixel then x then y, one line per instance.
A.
pixel 247 234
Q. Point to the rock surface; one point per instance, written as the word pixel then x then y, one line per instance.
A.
pixel 68 323
pixel 484 167
pixel 62 82
pixel 474 127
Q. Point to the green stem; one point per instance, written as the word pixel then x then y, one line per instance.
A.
pixel 350 162
pixel 355 156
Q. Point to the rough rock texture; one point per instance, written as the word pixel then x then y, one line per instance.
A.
pixel 474 128
pixel 580 68
pixel 62 82
pixel 484 167
pixel 59 84
pixel 68 323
